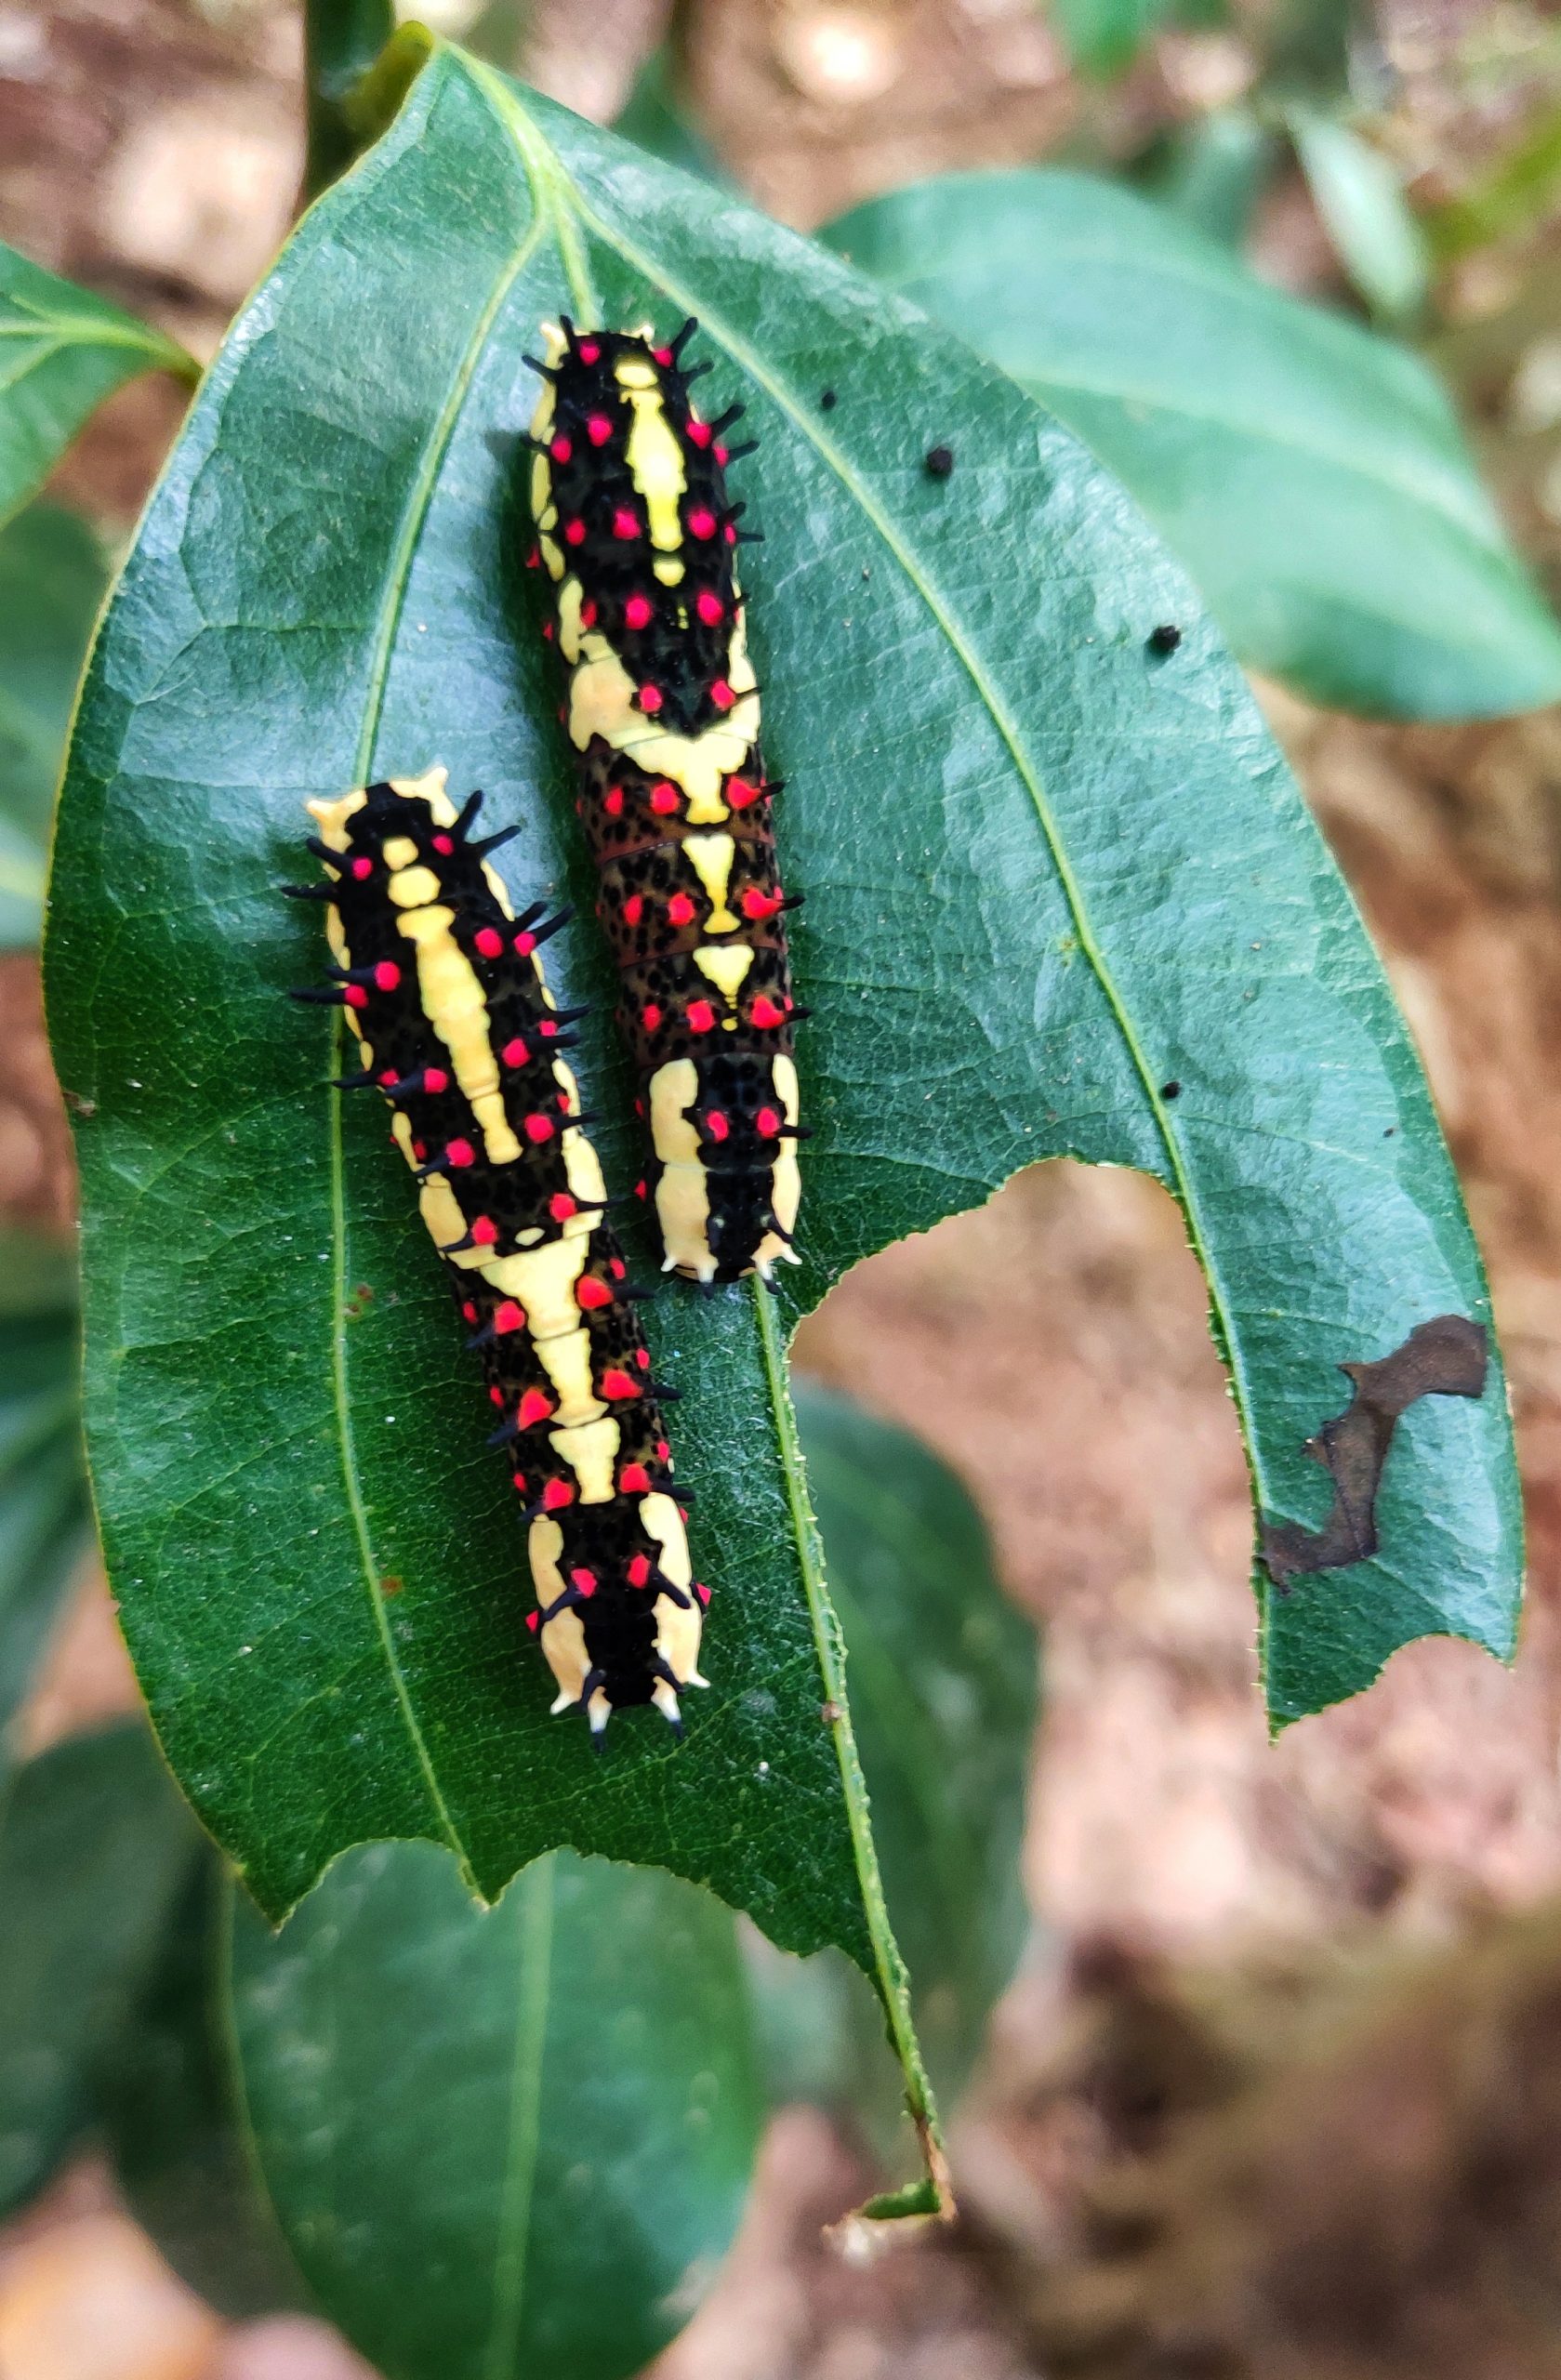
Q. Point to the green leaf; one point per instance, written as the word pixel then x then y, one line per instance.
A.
pixel 62 350
pixel 342 40
pixel 46 1523
pixel 513 2141
pixel 656 119
pixel 165 2097
pixel 942 1674
pixel 1364 213
pixel 1102 37
pixel 1310 476
pixel 94 1845
pixel 52 579
pixel 1049 870
pixel 1213 171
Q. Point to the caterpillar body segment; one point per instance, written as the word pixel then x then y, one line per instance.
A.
pixel 445 991
pixel 635 529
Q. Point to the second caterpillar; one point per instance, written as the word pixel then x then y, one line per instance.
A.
pixel 633 527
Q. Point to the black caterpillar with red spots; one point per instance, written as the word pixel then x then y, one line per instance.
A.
pixel 442 985
pixel 633 525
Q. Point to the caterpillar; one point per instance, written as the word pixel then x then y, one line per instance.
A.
pixel 443 987
pixel 628 497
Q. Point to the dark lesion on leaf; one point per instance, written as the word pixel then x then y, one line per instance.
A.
pixel 1447 1356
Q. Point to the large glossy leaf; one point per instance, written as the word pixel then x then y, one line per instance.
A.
pixel 45 1524
pixel 94 1844
pixel 1063 897
pixel 52 579
pixel 508 2144
pixel 1310 475
pixel 62 350
pixel 164 2095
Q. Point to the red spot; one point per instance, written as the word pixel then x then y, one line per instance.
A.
pixel 612 801
pixel 443 843
pixel 514 1053
pixel 722 458
pixel 526 944
pixel 563 1101
pixel 717 1125
pixel 633 910
pixel 663 1452
pixel 590 1293
pixel 617 1268
pixel 739 793
pixel 663 356
pixel 560 1206
pixel 534 1621
pixel 508 1316
pixel 490 942
pixel 664 798
pixel 699 432
pixel 588 613
pixel 484 1231
pixel 561 449
pixel 517 1480
pixel 547 1028
pixel 590 351
pixel 703 1593
pixel 460 1153
pixel 435 1078
pixel 468 1310
pixel 556 1494
pixel 420 1149
pixel 701 1016
pixel 757 904
pixel 533 559
pixel 701 522
pixel 641 1191
pixel 710 607
pixel 643 1357
pixel 583 1580
pixel 386 976
pixel 496 1395
pixel 534 1407
pixel 573 533
pixel 539 1127
pixel 626 525
pixel 356 996
pixel 721 694
pixel 650 700
pixel 650 1016
pixel 598 429
pixel 615 1382
pixel 637 612
pixel 680 909
pixel 767 1123
pixel 764 1011
pixel 547 631
pixel 730 534
pixel 362 868
pixel 388 1077
pixel 634 1480
pixel 640 1563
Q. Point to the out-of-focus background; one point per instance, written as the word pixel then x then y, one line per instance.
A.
pixel 1278 2091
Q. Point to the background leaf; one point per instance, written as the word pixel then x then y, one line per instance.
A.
pixel 656 119
pixel 1063 897
pixel 1310 476
pixel 94 1845
pixel 46 1522
pixel 1102 37
pixel 513 2141
pixel 1365 212
pixel 53 577
pixel 342 39
pixel 164 2096
pixel 62 350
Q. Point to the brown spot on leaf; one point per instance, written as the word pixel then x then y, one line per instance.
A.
pixel 1444 1357
pixel 391 1584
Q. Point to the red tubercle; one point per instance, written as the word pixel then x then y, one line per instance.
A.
pixel 363 869
pixel 496 1395
pixel 663 1452
pixel 560 1206
pixel 484 1231
pixel 356 996
pixel 556 1494
pixel 616 1384
pixel 590 351
pixel 533 559
pixel 757 904
pixel 717 1125
pixel 612 802
pixel 547 1028
pixel 641 1190
pixel 639 1565
pixel 664 798
pixel 420 1149
pixel 444 845
pixel 650 700
pixel 643 1357
pixel 765 1014
pixel 638 611
pixel 573 533
pixel 386 976
pixel 721 694
pixel 590 1293
pixel 459 1153
pixel 634 1480
pixel 626 525
pixel 701 522
pixel 650 1016
pixel 633 910
pixel 435 1079
pixel 731 533
pixel 489 941
pixel 563 448
pixel 700 1016
pixel 468 1311
pixel 508 1316
pixel 524 944
pixel 584 1581
pixel 680 910
pixel 767 1123
pixel 663 356
pixel 599 429
pixel 698 432
pixel 710 608
pixel 738 794
pixel 388 1076
pixel 538 1129
pixel 703 1593
pixel 588 613
pixel 534 1621
pixel 514 1053
pixel 534 1407
pixel 722 456
pixel 547 631
pixel 617 1268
